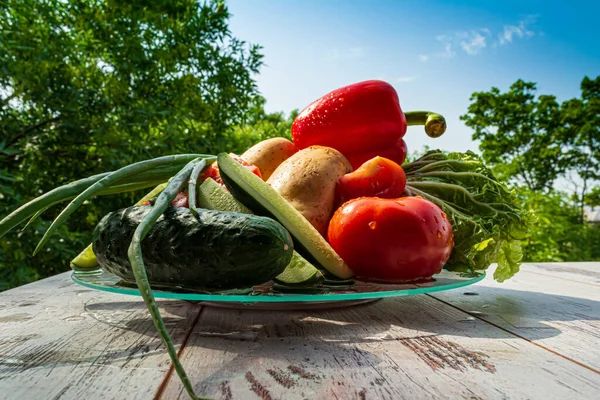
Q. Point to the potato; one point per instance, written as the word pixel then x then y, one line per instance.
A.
pixel 268 154
pixel 308 180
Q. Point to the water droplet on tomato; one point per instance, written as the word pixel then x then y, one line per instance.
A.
pixel 372 225
pixel 437 221
pixel 439 234
pixel 444 215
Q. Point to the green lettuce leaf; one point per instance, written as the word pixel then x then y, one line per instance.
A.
pixel 487 219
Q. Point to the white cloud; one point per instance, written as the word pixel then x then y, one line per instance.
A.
pixel 517 31
pixel 448 46
pixel 404 79
pixel 474 42
pixel 448 52
pixel 471 42
pixel 346 54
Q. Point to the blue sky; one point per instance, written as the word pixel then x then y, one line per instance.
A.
pixel 436 54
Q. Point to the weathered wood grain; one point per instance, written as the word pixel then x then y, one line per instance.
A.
pixel 583 272
pixel 562 315
pixel 61 340
pixel 403 348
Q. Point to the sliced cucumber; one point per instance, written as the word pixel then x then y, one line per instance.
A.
pixel 299 271
pixel 213 196
pixel 85 260
pixel 261 198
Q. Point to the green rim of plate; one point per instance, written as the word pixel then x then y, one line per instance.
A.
pixel 446 280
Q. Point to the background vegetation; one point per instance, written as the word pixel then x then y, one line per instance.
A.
pixel 89 86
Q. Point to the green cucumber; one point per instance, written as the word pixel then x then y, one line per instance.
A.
pixel 262 199
pixel 213 250
pixel 299 271
pixel 214 196
pixel 86 260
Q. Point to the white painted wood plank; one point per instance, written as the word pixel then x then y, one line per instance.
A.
pixel 562 315
pixel 404 348
pixel 62 340
pixel 583 272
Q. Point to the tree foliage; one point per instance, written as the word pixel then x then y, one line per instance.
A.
pixel 519 134
pixel 90 86
pixel 558 234
pixel 535 141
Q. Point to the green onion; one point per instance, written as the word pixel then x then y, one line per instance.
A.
pixel 139 270
pixel 71 190
pixel 47 199
pixel 106 181
pixel 192 186
pixel 127 187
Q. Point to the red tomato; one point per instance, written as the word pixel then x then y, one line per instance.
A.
pixel 181 200
pixel 396 153
pixel 213 170
pixel 378 177
pixel 403 239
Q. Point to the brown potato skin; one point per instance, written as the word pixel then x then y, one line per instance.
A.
pixel 308 180
pixel 268 154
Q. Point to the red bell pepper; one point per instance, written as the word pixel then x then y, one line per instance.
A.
pixel 396 153
pixel 403 239
pixel 378 177
pixel 360 118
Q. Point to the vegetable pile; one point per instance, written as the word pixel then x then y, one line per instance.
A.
pixel 338 201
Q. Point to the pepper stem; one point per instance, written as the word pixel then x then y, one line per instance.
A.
pixel 435 124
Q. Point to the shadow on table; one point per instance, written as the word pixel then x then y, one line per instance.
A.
pixel 461 313
pixel 303 344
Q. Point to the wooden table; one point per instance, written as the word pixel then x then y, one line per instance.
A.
pixel 536 336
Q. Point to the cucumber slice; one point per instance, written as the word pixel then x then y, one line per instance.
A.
pixel 85 260
pixel 299 271
pixel 213 196
pixel 261 198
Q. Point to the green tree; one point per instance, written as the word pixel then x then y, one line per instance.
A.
pixel 89 86
pixel 520 134
pixel 592 198
pixel 558 234
pixel 536 140
pixel 532 141
pixel 261 125
pixel 581 119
